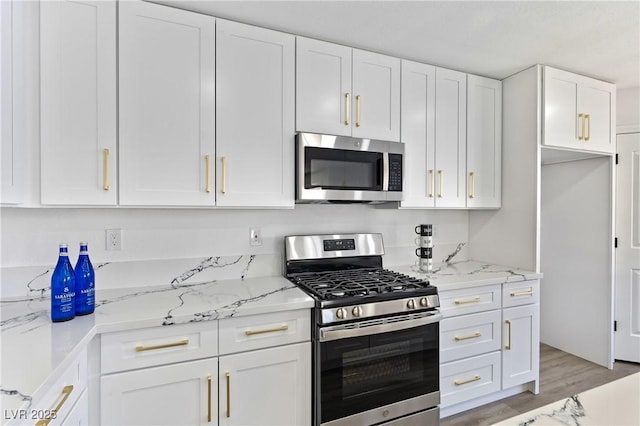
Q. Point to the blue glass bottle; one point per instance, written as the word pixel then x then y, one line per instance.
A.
pixel 63 288
pixel 85 282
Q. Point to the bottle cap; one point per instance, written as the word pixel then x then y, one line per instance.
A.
pixel 64 245
pixel 83 243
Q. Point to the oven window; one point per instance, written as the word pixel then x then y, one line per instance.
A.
pixel 361 373
pixel 342 169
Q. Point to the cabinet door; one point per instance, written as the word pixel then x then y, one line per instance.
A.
pixel 451 138
pixel 175 394
pixel 255 115
pixel 418 133
pixel 78 102
pixel 596 99
pixel 167 105
pixel 484 142
pixel 561 121
pixel 266 387
pixel 323 87
pixel 520 345
pixel 376 96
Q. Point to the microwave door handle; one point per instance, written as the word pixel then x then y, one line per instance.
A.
pixel 385 171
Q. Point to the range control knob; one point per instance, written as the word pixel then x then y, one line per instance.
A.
pixel 411 304
pixel 424 302
pixel 341 313
pixel 357 311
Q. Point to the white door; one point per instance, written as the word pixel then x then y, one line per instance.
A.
pixel 596 100
pixel 376 96
pixel 166 105
pixel 418 134
pixel 78 102
pixel 627 307
pixel 520 345
pixel 561 122
pixel 266 387
pixel 178 394
pixel 451 138
pixel 255 116
pixel 323 87
pixel 484 142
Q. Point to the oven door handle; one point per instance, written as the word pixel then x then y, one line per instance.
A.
pixel 342 332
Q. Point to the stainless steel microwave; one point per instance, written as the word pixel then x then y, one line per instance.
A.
pixel 345 169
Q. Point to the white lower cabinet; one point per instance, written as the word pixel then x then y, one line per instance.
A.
pixel 175 394
pixel 261 374
pixel 266 387
pixel 489 343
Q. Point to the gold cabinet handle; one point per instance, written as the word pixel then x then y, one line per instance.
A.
pixel 168 345
pixel 209 398
pixel 66 391
pixel 347 113
pixel 580 126
pixel 472 184
pixel 508 345
pixel 471 336
pixel 207 178
pixel 431 183
pixel 358 100
pixel 464 382
pixel 464 302
pixel 228 376
pixel 440 178
pixel 223 185
pixel 522 293
pixel 284 327
pixel 105 169
pixel 587 118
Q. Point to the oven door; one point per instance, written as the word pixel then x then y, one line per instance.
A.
pixel 374 371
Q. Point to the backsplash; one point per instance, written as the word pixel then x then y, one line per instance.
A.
pixel 162 246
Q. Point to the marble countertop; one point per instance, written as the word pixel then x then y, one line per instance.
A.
pixel 34 349
pixel 470 273
pixel 615 403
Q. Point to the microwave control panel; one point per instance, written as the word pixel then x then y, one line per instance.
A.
pixel 395 172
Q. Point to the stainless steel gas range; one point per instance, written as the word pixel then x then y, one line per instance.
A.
pixel 375 333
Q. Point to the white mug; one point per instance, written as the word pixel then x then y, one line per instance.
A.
pixel 424 241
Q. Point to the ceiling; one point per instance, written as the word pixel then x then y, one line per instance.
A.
pixel 495 39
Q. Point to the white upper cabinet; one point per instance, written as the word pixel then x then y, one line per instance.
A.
pixel 450 138
pixel 255 101
pixel 78 102
pixel 376 96
pixel 578 112
pixel 346 91
pixel 484 142
pixel 323 95
pixel 418 134
pixel 167 106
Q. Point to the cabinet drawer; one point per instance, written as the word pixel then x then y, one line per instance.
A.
pixel 261 331
pixel 61 395
pixel 520 293
pixel 126 350
pixel 470 300
pixel 469 378
pixel 469 335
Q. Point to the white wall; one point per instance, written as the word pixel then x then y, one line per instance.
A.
pixel 30 236
pixel 628 110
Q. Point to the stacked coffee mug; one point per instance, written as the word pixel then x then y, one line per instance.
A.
pixel 425 251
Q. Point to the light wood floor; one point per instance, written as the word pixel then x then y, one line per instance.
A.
pixel 561 375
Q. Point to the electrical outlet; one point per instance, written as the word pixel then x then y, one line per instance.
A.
pixel 113 239
pixel 255 236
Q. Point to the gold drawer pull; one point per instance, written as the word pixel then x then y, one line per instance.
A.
pixel 209 399
pixel 472 336
pixel 508 345
pixel 347 114
pixel 105 169
pixel 431 184
pixel 207 178
pixel 441 178
pixel 464 382
pixel 228 376
pixel 463 302
pixel 223 162
pixel 268 330
pixel 168 345
pixel 587 118
pixel 522 293
pixel 358 122
pixel 472 184
pixel 580 126
pixel 66 391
